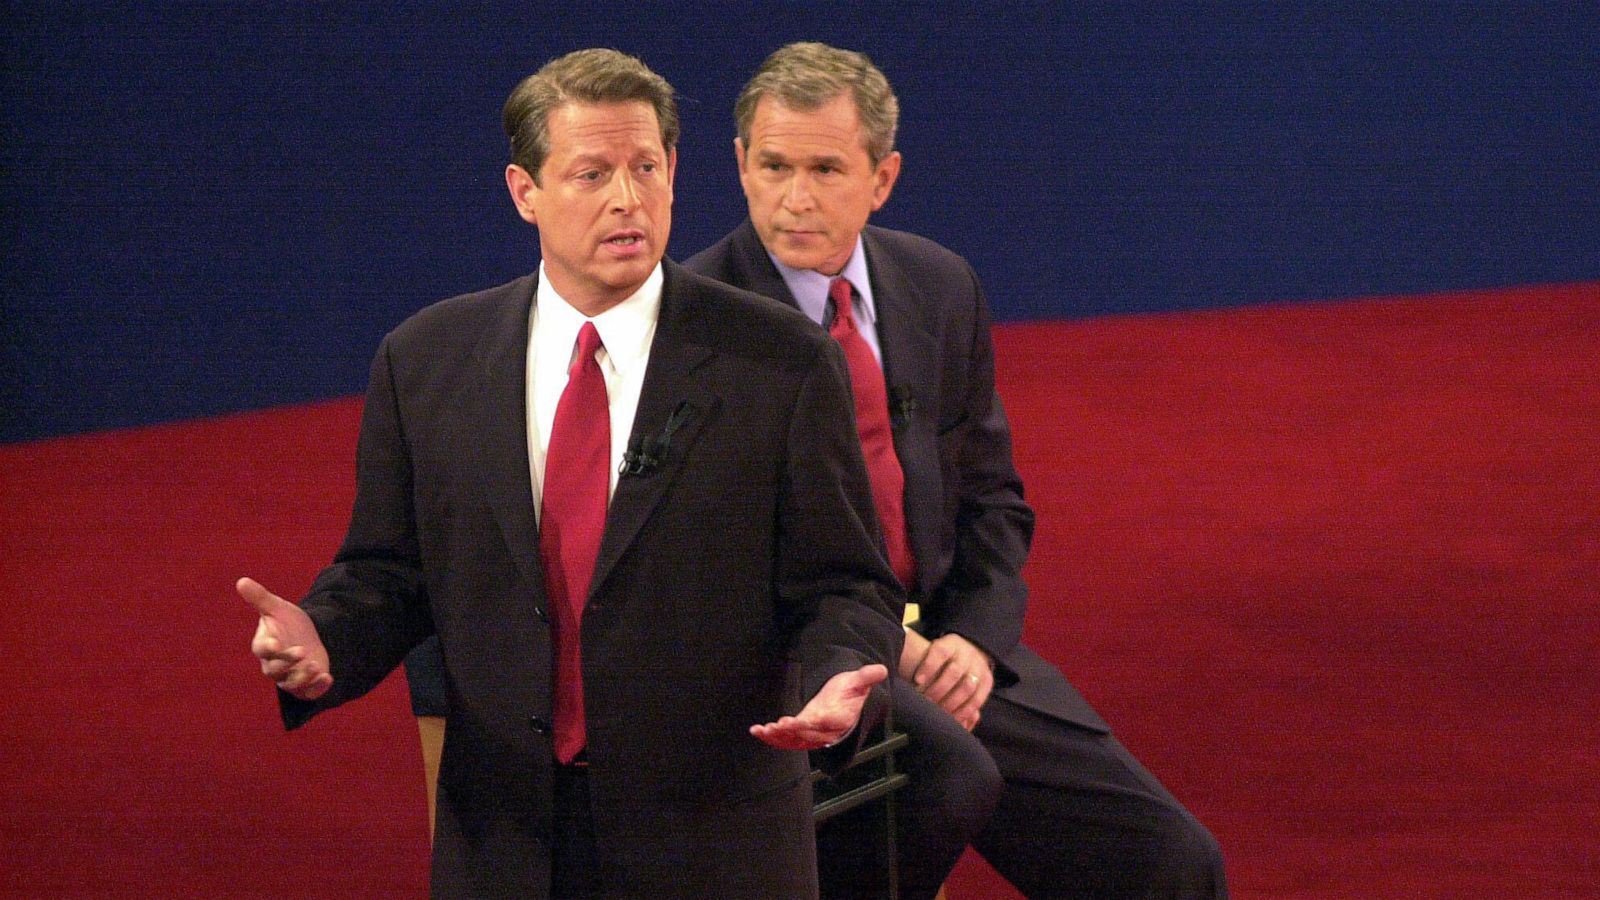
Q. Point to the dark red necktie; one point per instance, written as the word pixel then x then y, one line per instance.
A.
pixel 577 477
pixel 872 424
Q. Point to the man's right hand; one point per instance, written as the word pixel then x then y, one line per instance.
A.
pixel 932 666
pixel 286 642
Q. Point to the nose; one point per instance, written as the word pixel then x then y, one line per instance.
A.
pixel 797 198
pixel 624 192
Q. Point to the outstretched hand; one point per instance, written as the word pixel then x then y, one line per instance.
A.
pixel 286 642
pixel 828 717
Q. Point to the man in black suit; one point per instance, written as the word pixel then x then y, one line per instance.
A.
pixel 732 571
pixel 1073 813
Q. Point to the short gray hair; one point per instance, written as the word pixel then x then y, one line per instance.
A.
pixel 582 76
pixel 807 75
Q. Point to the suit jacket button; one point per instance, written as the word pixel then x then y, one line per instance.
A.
pixel 540 724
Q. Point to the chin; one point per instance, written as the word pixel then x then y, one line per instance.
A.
pixel 631 274
pixel 793 260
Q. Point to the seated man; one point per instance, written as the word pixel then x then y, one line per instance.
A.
pixel 1040 787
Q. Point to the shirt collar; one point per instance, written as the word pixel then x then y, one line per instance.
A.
pixel 626 329
pixel 810 287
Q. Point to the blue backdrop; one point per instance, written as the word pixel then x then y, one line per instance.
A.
pixel 220 206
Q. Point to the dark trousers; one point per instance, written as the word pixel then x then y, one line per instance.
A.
pixel 1059 810
pixel 1080 817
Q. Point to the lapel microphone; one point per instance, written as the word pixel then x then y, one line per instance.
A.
pixel 901 405
pixel 645 454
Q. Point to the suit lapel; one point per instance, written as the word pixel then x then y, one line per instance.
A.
pixel 671 392
pixel 502 411
pixel 910 352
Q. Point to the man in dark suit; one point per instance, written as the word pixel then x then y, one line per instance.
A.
pixel 643 743
pixel 1039 786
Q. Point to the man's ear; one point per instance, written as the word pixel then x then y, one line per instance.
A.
pixel 523 191
pixel 883 179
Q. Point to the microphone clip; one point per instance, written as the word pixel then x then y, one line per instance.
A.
pixel 646 453
pixel 902 403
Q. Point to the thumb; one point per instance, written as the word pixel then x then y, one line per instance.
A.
pixel 867 676
pixel 264 601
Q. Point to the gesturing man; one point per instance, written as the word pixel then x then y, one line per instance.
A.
pixel 1039 786
pixel 630 502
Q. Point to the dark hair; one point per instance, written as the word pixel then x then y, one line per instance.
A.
pixel 806 75
pixel 583 76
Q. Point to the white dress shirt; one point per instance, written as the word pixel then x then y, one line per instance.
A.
pixel 626 331
pixel 810 290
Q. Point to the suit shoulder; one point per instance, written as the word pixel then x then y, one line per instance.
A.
pixel 914 249
pixel 713 260
pixel 457 316
pixel 742 321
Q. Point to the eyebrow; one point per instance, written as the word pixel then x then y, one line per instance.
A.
pixel 602 160
pixel 766 156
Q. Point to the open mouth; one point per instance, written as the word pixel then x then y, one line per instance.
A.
pixel 625 239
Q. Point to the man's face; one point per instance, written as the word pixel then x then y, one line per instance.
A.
pixel 603 203
pixel 810 183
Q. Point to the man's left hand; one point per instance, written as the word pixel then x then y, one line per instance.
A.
pixel 828 717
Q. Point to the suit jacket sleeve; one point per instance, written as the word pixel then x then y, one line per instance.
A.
pixel 369 606
pixel 849 602
pixel 983 597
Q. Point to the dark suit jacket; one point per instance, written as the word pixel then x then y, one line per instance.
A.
pixel 968 525
pixel 731 583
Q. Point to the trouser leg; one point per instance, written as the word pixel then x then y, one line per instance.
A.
pixel 1080 817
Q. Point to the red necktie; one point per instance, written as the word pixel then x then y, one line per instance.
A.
pixel 872 424
pixel 577 476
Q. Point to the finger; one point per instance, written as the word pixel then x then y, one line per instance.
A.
pixel 301 677
pixel 266 647
pixel 805 728
pixel 933 663
pixel 859 682
pixel 264 601
pixel 312 689
pixel 264 643
pixel 277 669
pixel 317 687
pixel 773 736
pixel 969 696
pixel 956 699
pixel 951 678
pixel 981 696
pixel 276 664
pixel 792 738
pixel 778 741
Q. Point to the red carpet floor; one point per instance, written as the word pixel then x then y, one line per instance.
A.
pixel 1332 571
